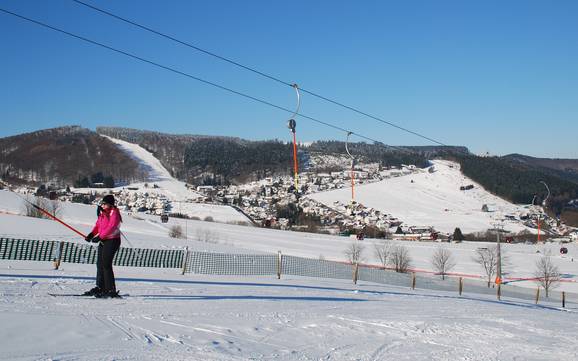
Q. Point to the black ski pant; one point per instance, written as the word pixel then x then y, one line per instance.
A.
pixel 104 274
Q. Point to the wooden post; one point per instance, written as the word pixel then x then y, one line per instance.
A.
pixel 563 299
pixel 537 294
pixel 499 291
pixel 56 261
pixel 185 258
pixel 279 264
pixel 413 280
pixel 355 272
pixel 461 285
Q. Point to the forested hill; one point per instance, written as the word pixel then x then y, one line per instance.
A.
pixel 76 156
pixel 224 160
pixel 65 156
pixel 168 148
pixel 519 182
pixel 383 154
pixel 565 168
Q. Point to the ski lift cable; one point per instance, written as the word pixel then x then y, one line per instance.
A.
pixel 136 57
pixel 61 221
pixel 253 70
pixel 296 87
pixel 44 211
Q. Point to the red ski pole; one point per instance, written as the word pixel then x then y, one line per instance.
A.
pixel 58 220
pixel 46 212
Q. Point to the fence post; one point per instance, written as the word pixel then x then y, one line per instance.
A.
pixel 355 271
pixel 461 285
pixel 279 264
pixel 537 294
pixel 499 291
pixel 563 299
pixel 185 258
pixel 56 261
pixel 413 280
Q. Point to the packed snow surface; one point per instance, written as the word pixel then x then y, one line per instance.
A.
pixel 172 317
pixel 146 231
pixel 168 316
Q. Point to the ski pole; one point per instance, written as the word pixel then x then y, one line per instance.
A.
pixel 132 248
pixel 46 212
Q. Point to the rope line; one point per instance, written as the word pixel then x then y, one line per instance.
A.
pixel 255 71
pixel 207 82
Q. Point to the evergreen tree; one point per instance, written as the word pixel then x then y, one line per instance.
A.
pixel 458 236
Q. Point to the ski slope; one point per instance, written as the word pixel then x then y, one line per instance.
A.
pixel 171 317
pixel 176 191
pixel 146 231
pixel 432 199
pixel 168 316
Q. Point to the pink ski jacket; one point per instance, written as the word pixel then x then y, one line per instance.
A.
pixel 108 224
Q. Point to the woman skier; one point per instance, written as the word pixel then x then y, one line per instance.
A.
pixel 106 233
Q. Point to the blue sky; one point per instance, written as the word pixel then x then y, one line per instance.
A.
pixel 495 76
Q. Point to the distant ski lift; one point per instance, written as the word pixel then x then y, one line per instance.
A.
pixel 164 218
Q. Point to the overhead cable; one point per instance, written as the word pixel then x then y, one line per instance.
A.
pixel 176 71
pixel 253 70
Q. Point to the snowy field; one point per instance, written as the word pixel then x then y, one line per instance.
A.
pixel 146 231
pixel 172 317
pixel 432 199
pixel 168 316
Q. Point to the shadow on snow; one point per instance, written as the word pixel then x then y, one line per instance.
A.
pixel 253 284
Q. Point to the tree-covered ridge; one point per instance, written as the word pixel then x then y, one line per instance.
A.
pixel 372 153
pixel 168 148
pixel 226 161
pixel 63 156
pixel 518 182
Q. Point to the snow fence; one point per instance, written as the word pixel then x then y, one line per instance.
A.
pixel 211 263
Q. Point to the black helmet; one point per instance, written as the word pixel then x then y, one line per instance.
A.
pixel 108 199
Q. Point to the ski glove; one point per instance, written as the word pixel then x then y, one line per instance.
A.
pixel 96 239
pixel 88 238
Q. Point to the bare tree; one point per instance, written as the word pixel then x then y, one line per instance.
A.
pixel 383 252
pixel 31 210
pixel 206 235
pixel 54 208
pixel 547 273
pixel 176 231
pixel 400 259
pixel 443 261
pixel 488 259
pixel 353 252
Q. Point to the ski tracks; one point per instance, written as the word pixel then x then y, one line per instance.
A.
pixel 153 332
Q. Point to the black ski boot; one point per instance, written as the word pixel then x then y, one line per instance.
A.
pixel 108 294
pixel 93 292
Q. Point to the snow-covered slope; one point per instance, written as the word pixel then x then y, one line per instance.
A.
pixel 175 190
pixel 147 231
pixel 432 199
pixel 167 316
pixel 171 317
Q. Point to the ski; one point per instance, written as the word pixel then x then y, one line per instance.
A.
pixel 81 295
pixel 67 295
